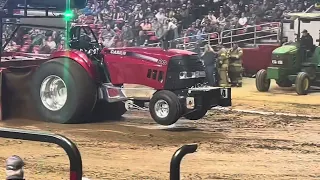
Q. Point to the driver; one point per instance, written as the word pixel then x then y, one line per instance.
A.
pixel 306 40
pixel 84 41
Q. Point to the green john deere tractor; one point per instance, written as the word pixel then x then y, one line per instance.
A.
pixel 292 64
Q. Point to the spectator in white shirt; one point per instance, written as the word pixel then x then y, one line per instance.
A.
pixel 173 27
pixel 161 15
pixel 108 41
pixel 212 17
pixel 205 21
pixel 221 19
pixel 50 43
pixel 112 2
pixel 243 20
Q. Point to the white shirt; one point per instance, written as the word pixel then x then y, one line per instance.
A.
pixel 242 21
pixel 160 16
pixel 108 43
pixel 171 25
pixel 203 21
pixel 212 18
pixel 222 21
pixel 51 44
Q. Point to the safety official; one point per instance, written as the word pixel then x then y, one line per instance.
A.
pixel 223 59
pixel 235 65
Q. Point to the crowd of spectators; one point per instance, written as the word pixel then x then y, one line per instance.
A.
pixel 119 23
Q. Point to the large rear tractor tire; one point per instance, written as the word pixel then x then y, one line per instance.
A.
pixel 196 115
pixel 165 107
pixel 63 92
pixel 262 83
pixel 302 83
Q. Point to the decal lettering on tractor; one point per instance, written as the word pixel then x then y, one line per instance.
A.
pixel 224 93
pixel 117 52
pixel 162 62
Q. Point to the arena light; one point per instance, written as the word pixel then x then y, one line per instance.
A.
pixel 68 15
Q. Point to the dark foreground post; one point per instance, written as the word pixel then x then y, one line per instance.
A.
pixel 177 157
pixel 69 147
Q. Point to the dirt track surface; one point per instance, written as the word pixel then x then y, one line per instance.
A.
pixel 232 145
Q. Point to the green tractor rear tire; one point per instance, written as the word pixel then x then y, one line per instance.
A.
pixel 302 83
pixel 262 83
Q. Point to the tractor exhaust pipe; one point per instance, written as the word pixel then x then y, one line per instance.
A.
pixel 177 157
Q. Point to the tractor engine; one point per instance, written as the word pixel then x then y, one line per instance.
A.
pixel 285 60
pixel 154 67
pixel 184 71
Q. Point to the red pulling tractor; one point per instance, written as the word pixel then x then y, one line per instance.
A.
pixel 65 86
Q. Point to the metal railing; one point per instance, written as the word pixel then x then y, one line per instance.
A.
pixel 75 156
pixel 250 34
pixel 69 147
pixel 310 9
pixel 189 42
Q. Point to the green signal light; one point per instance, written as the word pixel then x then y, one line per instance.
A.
pixel 68 15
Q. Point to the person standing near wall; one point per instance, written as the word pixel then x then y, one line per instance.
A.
pixel 235 66
pixel 210 60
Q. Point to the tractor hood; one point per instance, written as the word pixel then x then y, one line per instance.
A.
pixel 286 49
pixel 151 54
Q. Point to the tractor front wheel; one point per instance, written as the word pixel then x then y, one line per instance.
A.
pixel 262 83
pixel 165 107
pixel 302 83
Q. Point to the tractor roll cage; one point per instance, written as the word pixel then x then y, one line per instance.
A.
pixel 30 22
pixel 46 21
pixel 304 17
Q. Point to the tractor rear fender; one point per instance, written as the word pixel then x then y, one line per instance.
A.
pixel 80 58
